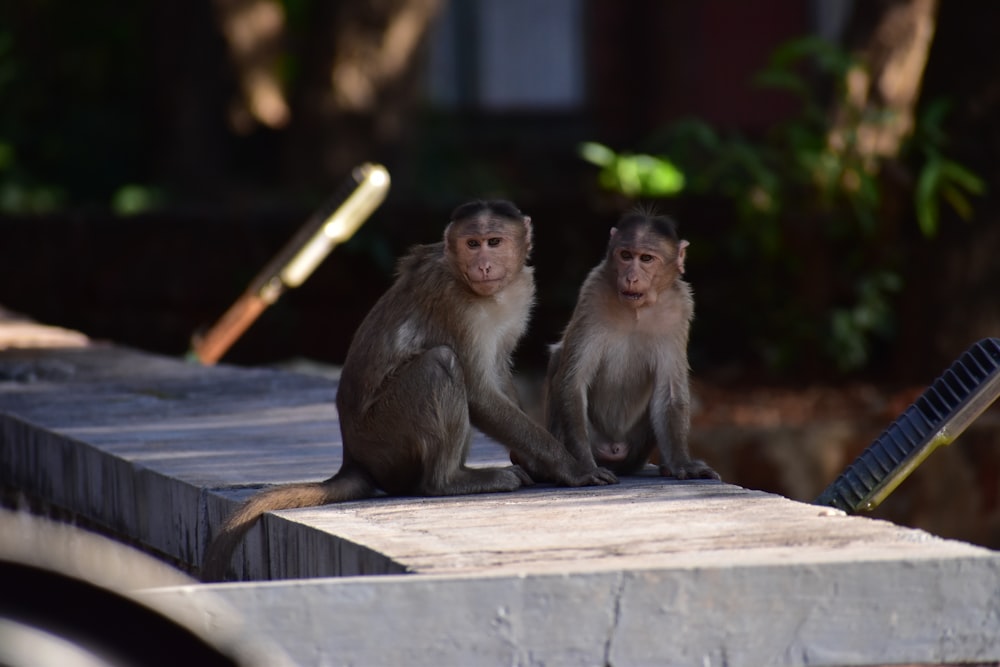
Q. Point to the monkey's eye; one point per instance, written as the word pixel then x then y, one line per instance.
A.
pixel 472 243
pixel 645 258
pixel 494 242
pixel 625 255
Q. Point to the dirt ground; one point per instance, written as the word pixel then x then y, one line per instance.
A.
pixel 795 440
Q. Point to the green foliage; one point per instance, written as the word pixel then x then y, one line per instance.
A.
pixel 634 175
pixel 803 193
pixel 72 120
pixel 21 199
pixel 940 179
pixel 871 315
pixel 134 199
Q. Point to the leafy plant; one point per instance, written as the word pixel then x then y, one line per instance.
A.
pixel 634 174
pixel 802 194
pixel 870 315
pixel 940 179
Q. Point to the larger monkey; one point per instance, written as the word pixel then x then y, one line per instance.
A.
pixel 617 383
pixel 430 361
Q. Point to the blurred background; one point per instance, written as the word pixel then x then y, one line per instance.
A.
pixel 833 163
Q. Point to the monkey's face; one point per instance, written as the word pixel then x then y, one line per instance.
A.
pixel 642 273
pixel 487 263
pixel 488 254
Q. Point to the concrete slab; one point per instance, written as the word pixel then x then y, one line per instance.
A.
pixel 845 613
pixel 652 571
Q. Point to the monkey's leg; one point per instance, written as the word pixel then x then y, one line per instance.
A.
pixel 429 452
pixel 675 461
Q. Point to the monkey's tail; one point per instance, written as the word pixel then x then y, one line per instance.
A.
pixel 344 486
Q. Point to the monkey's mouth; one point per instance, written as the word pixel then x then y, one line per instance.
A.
pixel 486 287
pixel 631 296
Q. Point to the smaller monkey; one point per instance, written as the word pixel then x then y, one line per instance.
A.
pixel 616 388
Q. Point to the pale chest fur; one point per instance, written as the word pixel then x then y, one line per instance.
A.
pixel 623 388
pixel 634 354
pixel 498 323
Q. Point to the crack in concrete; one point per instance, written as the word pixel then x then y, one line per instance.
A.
pixel 616 618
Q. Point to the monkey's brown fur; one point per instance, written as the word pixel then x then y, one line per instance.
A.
pixel 431 360
pixel 617 384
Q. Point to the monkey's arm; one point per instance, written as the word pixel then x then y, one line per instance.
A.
pixel 567 398
pixel 542 455
pixel 671 416
pixel 510 389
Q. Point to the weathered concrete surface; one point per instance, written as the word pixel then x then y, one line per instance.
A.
pixel 847 613
pixel 652 571
pixel 134 442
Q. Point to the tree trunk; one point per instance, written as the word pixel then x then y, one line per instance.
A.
pixel 892 39
pixel 359 85
pixel 952 295
pixel 254 31
pixel 871 123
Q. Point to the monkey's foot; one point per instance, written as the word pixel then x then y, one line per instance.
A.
pixel 521 473
pixel 689 470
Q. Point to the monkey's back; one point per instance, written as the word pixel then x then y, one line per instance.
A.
pixel 394 328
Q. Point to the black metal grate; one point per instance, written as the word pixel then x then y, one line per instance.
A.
pixel 910 438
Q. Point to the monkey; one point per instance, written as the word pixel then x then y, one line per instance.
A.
pixel 430 361
pixel 617 383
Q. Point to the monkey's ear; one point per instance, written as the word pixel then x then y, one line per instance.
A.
pixel 681 254
pixel 527 232
pixel 447 235
pixel 614 230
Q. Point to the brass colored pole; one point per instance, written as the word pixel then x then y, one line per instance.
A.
pixel 333 224
pixel 210 347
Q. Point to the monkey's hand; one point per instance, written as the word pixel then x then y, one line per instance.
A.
pixel 583 476
pixel 694 469
pixel 595 476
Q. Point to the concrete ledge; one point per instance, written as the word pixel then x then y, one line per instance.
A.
pixel 652 571
pixel 861 613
